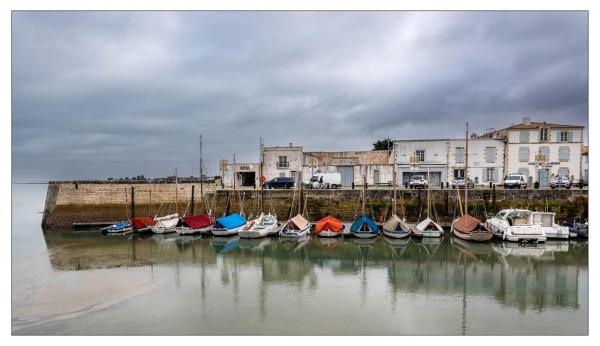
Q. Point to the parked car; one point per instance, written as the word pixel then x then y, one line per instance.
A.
pixel 280 183
pixel 418 181
pixel 460 183
pixel 558 182
pixel 515 180
pixel 325 180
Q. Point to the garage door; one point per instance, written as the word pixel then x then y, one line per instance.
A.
pixel 347 173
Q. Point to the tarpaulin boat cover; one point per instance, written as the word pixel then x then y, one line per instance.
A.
pixel 364 220
pixel 142 222
pixel 298 221
pixel 393 223
pixel 232 221
pixel 466 224
pixel 428 223
pixel 198 221
pixel 329 223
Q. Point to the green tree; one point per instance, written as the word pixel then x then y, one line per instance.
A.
pixel 383 144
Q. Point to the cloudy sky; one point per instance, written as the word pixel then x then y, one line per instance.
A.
pixel 99 94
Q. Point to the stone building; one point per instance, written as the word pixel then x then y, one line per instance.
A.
pixel 540 150
pixel 585 163
pixel 241 174
pixel 279 161
pixel 444 159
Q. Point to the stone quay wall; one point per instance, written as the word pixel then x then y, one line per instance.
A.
pixel 80 202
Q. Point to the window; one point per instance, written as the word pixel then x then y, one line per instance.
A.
pixel 293 173
pixel 283 162
pixel 420 154
pixel 543 134
pixel 524 171
pixel 490 154
pixel 545 151
pixel 490 174
pixel 563 172
pixel 565 136
pixel 459 173
pixel 460 154
pixel 563 154
pixel 523 154
pixel 524 137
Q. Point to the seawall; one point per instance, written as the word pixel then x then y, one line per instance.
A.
pixel 75 202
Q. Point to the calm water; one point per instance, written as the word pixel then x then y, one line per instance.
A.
pixel 84 283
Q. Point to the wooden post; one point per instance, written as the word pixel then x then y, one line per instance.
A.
pixel 494 198
pixel 192 201
pixel 132 202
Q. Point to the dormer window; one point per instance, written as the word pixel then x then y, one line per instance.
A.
pixel 544 134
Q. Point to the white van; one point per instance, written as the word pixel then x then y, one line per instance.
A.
pixel 325 181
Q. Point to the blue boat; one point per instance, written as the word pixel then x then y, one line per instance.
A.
pixel 364 227
pixel 118 228
pixel 228 225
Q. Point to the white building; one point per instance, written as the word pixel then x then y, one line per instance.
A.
pixel 585 163
pixel 240 175
pixel 281 161
pixel 444 159
pixel 540 150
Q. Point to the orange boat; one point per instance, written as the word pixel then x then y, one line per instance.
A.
pixel 329 227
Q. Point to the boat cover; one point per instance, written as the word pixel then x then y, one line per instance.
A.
pixel 298 221
pixel 329 223
pixel 392 224
pixel 232 221
pixel 421 226
pixel 142 222
pixel 364 220
pixel 198 221
pixel 466 224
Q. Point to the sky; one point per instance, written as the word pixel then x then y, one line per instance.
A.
pixel 115 94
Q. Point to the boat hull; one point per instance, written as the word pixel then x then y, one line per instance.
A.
pixel 396 235
pixel 473 236
pixel 329 234
pixel 299 234
pixel 226 232
pixel 257 232
pixel 189 230
pixel 364 235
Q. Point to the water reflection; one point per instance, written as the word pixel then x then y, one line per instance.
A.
pixel 533 278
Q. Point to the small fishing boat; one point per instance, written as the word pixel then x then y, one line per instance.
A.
pixel 117 228
pixel 296 227
pixel 364 227
pixel 329 227
pixel 549 226
pixel 259 227
pixel 396 228
pixel 142 224
pixel 466 226
pixel 577 228
pixel 228 225
pixel 427 229
pixel 516 225
pixel 195 224
pixel 165 224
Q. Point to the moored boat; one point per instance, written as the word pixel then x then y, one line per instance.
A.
pixel 259 227
pixel 142 224
pixel 364 227
pixel 195 224
pixel 577 228
pixel 395 227
pixel 516 225
pixel 165 224
pixel 546 220
pixel 427 229
pixel 228 225
pixel 121 227
pixel 295 227
pixel 329 227
pixel 468 227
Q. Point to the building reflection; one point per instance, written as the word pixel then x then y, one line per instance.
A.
pixel 521 277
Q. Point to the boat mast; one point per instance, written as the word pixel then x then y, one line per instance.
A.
pixel 394 182
pixel 176 196
pixel 201 173
pixel 261 175
pixel 428 190
pixel 466 167
pixel 364 190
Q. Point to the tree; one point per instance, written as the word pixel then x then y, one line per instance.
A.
pixel 383 144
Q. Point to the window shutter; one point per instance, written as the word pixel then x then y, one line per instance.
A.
pixel 563 154
pixel 570 136
pixel 546 152
pixel 523 154
pixel 524 136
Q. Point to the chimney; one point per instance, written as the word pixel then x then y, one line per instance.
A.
pixel 526 120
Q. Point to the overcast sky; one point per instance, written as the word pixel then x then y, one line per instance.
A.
pixel 100 94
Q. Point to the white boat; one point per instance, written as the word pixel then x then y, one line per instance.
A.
pixel 229 225
pixel 427 229
pixel 296 227
pixel 552 230
pixel 165 224
pixel 396 228
pixel 516 225
pixel 259 227
pixel 195 224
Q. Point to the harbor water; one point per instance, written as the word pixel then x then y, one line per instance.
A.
pixel 66 282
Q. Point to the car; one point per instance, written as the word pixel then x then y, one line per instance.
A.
pixel 558 182
pixel 280 183
pixel 418 181
pixel 515 180
pixel 460 183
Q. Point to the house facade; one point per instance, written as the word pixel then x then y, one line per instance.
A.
pixel 376 165
pixel 542 150
pixel 444 159
pixel 284 161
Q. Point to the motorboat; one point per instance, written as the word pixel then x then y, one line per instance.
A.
pixel 228 225
pixel 552 230
pixel 516 225
pixel 577 228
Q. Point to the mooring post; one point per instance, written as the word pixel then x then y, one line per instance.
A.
pixel 132 202
pixel 494 198
pixel 447 201
pixel 420 200
pixel 192 201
